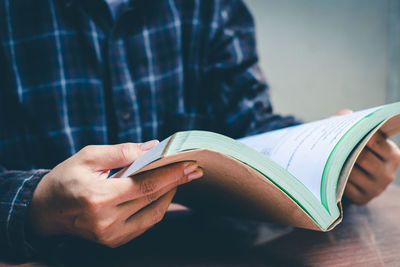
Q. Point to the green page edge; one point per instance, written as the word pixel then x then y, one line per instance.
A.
pixel 343 149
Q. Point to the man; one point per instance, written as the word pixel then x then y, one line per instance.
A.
pixel 75 74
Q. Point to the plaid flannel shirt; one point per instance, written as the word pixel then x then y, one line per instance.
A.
pixel 71 76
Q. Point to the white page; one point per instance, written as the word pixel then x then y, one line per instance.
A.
pixel 303 150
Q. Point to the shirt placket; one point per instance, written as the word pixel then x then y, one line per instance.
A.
pixel 125 100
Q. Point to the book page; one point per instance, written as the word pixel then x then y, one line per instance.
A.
pixel 153 154
pixel 304 150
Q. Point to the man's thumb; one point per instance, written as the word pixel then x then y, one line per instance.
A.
pixel 107 157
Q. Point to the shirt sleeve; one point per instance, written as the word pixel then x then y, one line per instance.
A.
pixel 242 100
pixel 16 191
pixel 16 186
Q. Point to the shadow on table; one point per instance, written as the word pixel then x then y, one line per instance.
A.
pixel 368 236
pixel 184 238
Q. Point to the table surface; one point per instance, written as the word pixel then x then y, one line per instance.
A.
pixel 368 236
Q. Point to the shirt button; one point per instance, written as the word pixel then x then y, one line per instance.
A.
pixel 126 115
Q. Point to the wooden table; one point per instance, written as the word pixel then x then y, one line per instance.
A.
pixel 368 236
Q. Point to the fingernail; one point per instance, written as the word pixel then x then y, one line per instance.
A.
pixel 149 144
pixel 195 175
pixel 190 167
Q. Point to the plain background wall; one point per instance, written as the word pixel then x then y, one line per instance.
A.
pixel 323 55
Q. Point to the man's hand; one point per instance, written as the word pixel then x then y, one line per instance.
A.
pixel 76 197
pixel 374 169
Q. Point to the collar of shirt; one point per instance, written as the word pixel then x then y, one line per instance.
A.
pixel 117 6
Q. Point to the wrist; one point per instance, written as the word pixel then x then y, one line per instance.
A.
pixel 39 221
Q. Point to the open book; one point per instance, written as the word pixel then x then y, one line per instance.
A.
pixel 294 176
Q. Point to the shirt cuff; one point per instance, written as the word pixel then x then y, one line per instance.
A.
pixel 23 185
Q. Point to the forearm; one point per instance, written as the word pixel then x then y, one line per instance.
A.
pixel 255 115
pixel 265 120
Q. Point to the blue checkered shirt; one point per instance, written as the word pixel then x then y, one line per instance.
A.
pixel 72 76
